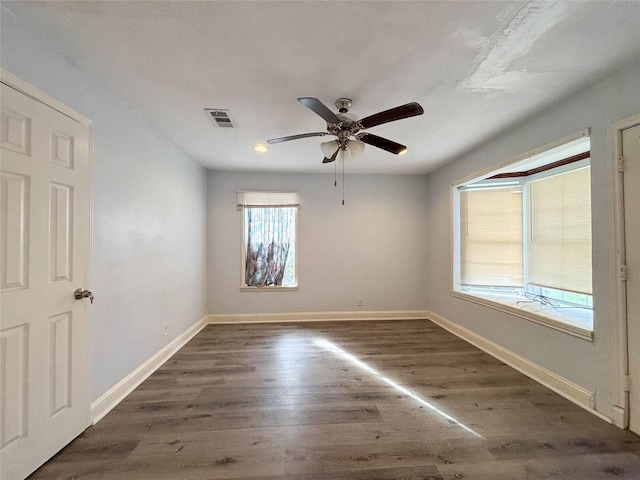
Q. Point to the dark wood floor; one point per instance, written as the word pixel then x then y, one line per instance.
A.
pixel 354 400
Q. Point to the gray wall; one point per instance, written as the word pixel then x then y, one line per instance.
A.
pixel 372 247
pixel 585 363
pixel 149 215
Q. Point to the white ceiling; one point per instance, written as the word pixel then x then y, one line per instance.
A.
pixel 475 67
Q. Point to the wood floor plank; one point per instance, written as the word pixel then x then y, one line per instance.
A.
pixel 356 457
pixel 377 400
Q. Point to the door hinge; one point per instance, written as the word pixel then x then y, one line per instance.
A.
pixel 621 163
pixel 626 383
pixel 623 273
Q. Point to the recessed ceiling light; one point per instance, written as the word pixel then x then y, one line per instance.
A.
pixel 261 148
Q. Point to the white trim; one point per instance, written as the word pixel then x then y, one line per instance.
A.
pixel 620 416
pixel 231 318
pixel 22 86
pixel 620 341
pixel 270 288
pixel 454 236
pixel 536 151
pixel 534 317
pixel 569 390
pixel 118 392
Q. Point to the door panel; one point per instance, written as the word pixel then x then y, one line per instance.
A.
pixel 14 383
pixel 15 227
pixel 60 233
pixel 45 212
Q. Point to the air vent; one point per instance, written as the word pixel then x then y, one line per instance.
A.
pixel 220 117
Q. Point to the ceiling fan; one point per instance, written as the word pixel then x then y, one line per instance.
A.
pixel 348 129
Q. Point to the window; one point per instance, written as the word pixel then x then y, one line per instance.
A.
pixel 522 237
pixel 559 249
pixel 491 237
pixel 269 239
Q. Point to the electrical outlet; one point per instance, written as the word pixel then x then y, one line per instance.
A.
pixel 165 327
pixel 359 302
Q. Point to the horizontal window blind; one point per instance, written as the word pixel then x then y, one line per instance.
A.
pixel 559 248
pixel 491 237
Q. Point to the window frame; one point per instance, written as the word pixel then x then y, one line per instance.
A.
pixel 504 299
pixel 267 199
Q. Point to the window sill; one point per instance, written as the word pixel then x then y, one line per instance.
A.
pixel 541 314
pixel 244 288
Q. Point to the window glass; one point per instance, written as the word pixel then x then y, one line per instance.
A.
pixel 270 244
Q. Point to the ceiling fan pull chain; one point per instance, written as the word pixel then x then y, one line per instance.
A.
pixel 343 180
pixel 335 174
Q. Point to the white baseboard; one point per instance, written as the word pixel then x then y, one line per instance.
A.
pixel 620 418
pixel 569 390
pixel 118 392
pixel 317 316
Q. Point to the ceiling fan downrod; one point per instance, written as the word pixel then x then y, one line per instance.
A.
pixel 343 105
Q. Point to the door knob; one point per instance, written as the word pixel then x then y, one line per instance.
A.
pixel 81 293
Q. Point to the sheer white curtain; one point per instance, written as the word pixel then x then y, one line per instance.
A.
pixel 268 245
pixel 269 234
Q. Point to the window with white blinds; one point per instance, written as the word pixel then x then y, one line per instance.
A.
pixel 559 247
pixel 522 236
pixel 491 247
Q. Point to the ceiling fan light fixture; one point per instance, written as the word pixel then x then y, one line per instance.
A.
pixel 355 148
pixel 329 148
pixel 261 148
pixel 402 152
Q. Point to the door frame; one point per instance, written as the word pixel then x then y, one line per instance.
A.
pixel 620 340
pixel 22 86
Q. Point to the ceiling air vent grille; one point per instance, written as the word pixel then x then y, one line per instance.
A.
pixel 221 118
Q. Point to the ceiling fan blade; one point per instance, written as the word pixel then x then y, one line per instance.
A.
pixel 383 143
pixel 271 141
pixel 332 159
pixel 320 108
pixel 398 113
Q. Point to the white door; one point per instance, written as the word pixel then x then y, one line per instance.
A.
pixel 631 154
pixel 45 196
